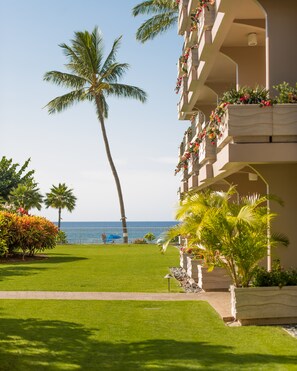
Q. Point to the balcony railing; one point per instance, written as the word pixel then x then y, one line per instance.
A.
pixel 207 151
pixel 192 66
pixel 183 19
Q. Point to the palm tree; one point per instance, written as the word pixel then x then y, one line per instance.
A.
pixel 26 197
pixel 60 197
pixel 230 231
pixel 94 79
pixel 165 16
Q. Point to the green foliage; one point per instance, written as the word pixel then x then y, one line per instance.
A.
pixel 61 238
pixel 165 16
pixel 12 175
pixel 149 236
pixel 26 196
pixel 231 232
pixel 28 234
pixel 287 93
pixel 276 277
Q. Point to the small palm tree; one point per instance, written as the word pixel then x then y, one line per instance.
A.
pixel 25 196
pixel 165 16
pixel 60 197
pixel 230 231
pixel 94 79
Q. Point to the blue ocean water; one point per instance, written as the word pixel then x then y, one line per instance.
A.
pixel 90 232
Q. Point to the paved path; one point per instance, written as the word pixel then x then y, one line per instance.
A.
pixel 220 301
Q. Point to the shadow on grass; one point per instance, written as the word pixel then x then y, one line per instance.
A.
pixel 26 268
pixel 57 345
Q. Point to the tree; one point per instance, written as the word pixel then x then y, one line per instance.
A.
pixel 11 176
pixel 165 15
pixel 60 197
pixel 94 79
pixel 26 196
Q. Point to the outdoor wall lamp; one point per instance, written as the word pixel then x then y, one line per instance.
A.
pixel 252 39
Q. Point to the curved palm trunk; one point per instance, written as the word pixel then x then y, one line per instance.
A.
pixel 114 171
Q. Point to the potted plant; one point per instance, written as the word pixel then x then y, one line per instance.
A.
pixel 272 298
pixel 191 213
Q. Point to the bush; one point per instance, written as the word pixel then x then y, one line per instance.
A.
pixel 140 241
pixel 26 233
pixel 276 277
pixel 61 238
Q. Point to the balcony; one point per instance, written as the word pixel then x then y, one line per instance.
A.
pixel 183 19
pixel 253 124
pixel 192 67
pixel 206 20
pixel 193 166
pixel 207 151
pixel 246 123
pixel 183 103
pixel 193 182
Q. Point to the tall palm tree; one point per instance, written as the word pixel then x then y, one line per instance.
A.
pixel 91 78
pixel 60 197
pixel 165 16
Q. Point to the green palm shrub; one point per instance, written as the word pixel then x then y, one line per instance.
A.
pixel 230 231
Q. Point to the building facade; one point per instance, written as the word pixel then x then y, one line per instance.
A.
pixel 228 45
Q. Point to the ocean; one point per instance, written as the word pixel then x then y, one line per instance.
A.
pixel 90 232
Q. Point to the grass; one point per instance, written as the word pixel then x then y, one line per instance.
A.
pixel 39 335
pixel 120 268
pixel 168 336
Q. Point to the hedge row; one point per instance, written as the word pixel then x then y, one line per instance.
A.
pixel 26 234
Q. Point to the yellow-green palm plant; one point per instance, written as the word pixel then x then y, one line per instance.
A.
pixel 191 212
pixel 93 78
pixel 232 231
pixel 165 16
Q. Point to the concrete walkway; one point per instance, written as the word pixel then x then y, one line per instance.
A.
pixel 220 301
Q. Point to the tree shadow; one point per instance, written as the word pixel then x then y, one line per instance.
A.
pixel 34 344
pixel 26 268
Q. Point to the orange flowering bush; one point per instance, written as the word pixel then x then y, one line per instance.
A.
pixel 26 233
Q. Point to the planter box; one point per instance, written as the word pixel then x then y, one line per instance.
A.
pixel 284 122
pixel 247 122
pixel 192 267
pixel 264 305
pixel 183 262
pixel 216 280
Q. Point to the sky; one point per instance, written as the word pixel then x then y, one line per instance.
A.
pixel 68 147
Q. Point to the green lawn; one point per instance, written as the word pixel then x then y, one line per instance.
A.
pixel 109 335
pixel 94 268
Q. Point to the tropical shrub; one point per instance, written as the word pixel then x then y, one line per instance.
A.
pixel 149 236
pixel 61 238
pixel 276 277
pixel 287 93
pixel 230 231
pixel 28 234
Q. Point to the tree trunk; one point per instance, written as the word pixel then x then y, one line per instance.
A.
pixel 113 169
pixel 59 219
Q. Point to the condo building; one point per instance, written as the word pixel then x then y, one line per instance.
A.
pixel 243 46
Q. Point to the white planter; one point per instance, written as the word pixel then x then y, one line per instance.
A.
pixel 192 267
pixel 215 280
pixel 264 305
